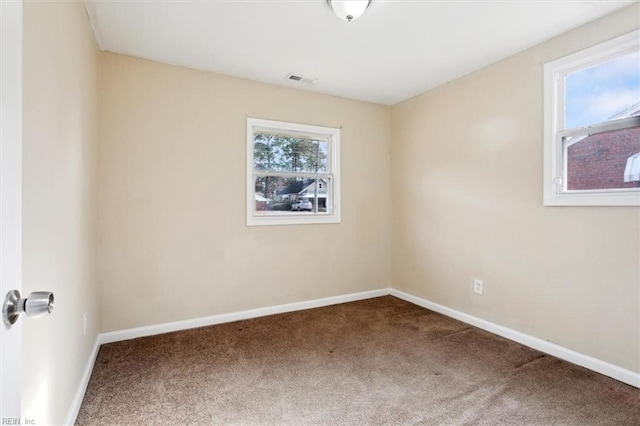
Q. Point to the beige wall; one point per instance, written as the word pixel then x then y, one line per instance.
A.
pixel 60 70
pixel 467 194
pixel 173 240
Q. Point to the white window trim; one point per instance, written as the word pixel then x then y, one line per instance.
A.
pixel 554 166
pixel 333 137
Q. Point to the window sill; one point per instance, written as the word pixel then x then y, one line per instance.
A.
pixel 628 198
pixel 294 219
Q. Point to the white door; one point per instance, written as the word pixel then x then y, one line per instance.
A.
pixel 10 201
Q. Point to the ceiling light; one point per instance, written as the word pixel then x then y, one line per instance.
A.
pixel 349 10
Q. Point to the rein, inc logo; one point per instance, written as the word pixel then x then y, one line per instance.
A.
pixel 16 421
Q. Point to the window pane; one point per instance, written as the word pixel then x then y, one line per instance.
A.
pixel 282 153
pixel 281 195
pixel 598 161
pixel 603 92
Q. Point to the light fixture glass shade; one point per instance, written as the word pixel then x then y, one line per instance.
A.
pixel 349 10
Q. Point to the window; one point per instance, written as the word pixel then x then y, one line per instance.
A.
pixel 293 173
pixel 592 125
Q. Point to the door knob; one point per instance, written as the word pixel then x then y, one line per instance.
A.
pixel 36 304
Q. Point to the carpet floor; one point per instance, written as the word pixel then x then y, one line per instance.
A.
pixel 372 362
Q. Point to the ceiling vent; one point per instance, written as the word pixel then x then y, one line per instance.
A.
pixel 300 79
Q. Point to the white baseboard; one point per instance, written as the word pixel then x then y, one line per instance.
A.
pixel 626 376
pixel 133 333
pixel 72 414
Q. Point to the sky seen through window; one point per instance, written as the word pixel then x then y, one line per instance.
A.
pixel 595 94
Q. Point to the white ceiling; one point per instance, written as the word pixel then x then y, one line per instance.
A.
pixel 396 50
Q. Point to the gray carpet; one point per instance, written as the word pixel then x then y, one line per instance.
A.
pixel 373 362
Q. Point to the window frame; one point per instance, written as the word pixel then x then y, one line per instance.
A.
pixel 332 174
pixel 555 150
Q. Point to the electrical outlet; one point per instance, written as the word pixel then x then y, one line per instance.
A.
pixel 477 287
pixel 85 322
